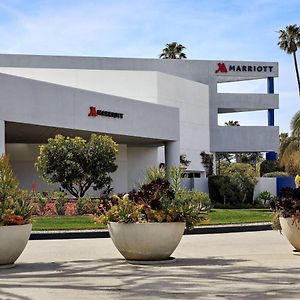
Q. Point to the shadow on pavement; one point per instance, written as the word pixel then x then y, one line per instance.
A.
pixel 187 278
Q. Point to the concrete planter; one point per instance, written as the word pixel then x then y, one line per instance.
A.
pixel 13 240
pixel 291 230
pixel 146 241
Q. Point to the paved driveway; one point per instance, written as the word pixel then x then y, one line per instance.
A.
pixel 251 265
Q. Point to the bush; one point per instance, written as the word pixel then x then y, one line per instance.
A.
pixel 265 198
pixel 87 205
pixel 15 206
pixel 276 174
pixel 231 191
pixel 270 166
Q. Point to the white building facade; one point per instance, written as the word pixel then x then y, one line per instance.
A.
pixel 156 110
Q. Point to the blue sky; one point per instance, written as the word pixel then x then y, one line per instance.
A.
pixel 211 29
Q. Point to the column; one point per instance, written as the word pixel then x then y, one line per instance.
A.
pixel 172 154
pixel 270 89
pixel 2 137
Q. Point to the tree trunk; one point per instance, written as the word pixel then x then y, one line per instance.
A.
pixel 297 71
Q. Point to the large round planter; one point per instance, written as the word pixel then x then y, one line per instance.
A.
pixel 13 240
pixel 146 241
pixel 291 230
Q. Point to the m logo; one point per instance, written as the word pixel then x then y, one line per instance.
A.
pixel 221 68
pixel 93 112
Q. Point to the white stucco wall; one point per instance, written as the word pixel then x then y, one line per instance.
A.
pixel 192 99
pixel 265 184
pixel 189 96
pixel 139 159
pixel 139 85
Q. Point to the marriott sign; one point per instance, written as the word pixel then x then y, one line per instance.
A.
pixel 223 68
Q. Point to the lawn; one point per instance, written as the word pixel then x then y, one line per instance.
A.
pixel 216 216
pixel 236 216
pixel 65 223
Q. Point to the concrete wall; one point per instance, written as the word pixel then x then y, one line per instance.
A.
pixel 244 138
pixel 139 160
pixel 192 99
pixel 139 85
pixel 39 103
pixel 265 184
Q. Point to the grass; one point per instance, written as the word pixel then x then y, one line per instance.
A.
pixel 236 216
pixel 65 223
pixel 215 217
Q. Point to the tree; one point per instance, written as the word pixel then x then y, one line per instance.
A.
pixel 78 164
pixel 289 41
pixel 173 51
pixel 289 150
pixel 207 162
pixel 232 123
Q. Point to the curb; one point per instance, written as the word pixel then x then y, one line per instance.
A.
pixel 91 234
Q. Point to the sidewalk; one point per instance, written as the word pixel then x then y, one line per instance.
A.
pixel 248 265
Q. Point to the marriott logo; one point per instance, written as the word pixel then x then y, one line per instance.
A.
pixel 94 112
pixel 223 68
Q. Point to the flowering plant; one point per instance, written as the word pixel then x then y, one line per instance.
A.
pixel 287 206
pixel 15 207
pixel 297 181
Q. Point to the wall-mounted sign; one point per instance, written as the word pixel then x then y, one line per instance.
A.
pixel 94 112
pixel 223 68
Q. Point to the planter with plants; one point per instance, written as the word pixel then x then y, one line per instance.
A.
pixel 15 216
pixel 147 224
pixel 287 215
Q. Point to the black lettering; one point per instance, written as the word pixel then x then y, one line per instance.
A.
pixel 238 68
pixel 265 68
pixel 259 68
pixel 231 68
pixel 270 68
pixel 244 68
pixel 121 116
pixel 249 68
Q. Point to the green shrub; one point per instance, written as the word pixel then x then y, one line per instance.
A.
pixel 60 199
pixel 15 205
pixel 87 205
pixel 231 191
pixel 264 198
pixel 269 166
pixel 276 174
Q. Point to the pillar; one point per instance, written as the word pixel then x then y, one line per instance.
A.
pixel 172 154
pixel 270 89
pixel 2 137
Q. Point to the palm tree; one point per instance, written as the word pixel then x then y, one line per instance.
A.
pixel 232 123
pixel 289 41
pixel 173 51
